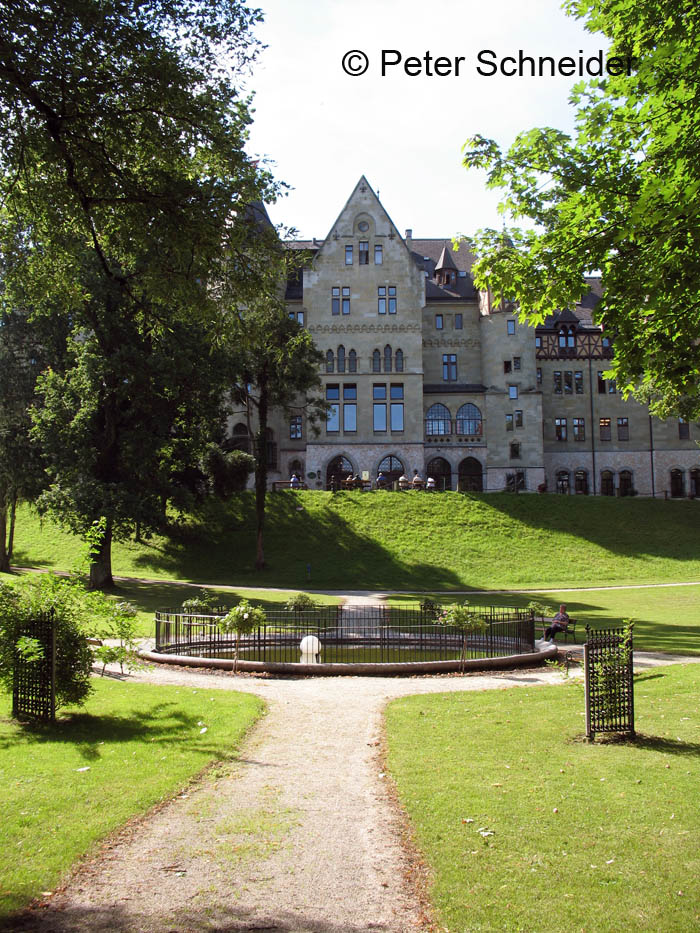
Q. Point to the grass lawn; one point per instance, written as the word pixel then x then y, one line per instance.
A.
pixel 67 786
pixel 666 618
pixel 407 541
pixel 594 837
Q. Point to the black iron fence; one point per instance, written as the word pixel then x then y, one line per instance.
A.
pixel 609 680
pixel 34 674
pixel 348 634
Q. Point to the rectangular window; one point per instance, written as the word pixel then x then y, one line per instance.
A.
pixel 346 301
pixel 297 316
pixel 350 416
pixel 458 321
pixel 539 376
pixel 612 387
pixel 379 416
pixel 363 254
pixel 509 421
pixel 623 429
pixel 392 299
pixel 512 391
pixel 557 383
pixel 560 429
pixel 578 382
pixel 579 429
pixel 507 366
pixel 516 363
pixel 332 393
pixel 333 421
pixel 378 391
pixel 518 418
pixel 605 434
pixel 381 299
pixel 601 384
pixel 378 254
pixel 348 255
pixel 397 416
pixel 683 430
pixel 568 383
pixel 396 391
pixel 538 343
pixel 515 450
pixel 349 392
pixel 449 367
pixel 335 300
pixel 438 322
pixel 295 428
pixel 510 326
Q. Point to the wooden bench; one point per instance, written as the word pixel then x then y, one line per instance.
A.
pixel 279 484
pixel 570 628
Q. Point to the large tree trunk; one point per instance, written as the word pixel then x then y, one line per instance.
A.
pixel 101 563
pixel 261 473
pixel 4 556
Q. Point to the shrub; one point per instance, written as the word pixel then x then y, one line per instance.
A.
pixel 242 619
pixel 120 625
pixel 466 620
pixel 227 472
pixel 300 602
pixel 201 604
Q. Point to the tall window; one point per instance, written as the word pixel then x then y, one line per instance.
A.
pixel 398 361
pixel 379 407
pixel 341 359
pixel 507 367
pixel 333 407
pixel 578 382
pixel 396 406
pixel 438 420
pixel 295 427
pixel 363 254
pixel 438 322
pixel 378 254
pixel 514 448
pixel 605 434
pixel 330 362
pixel 612 386
pixel 459 322
pixel 539 376
pixel 387 359
pixel 350 407
pixel 468 420
pixel 348 255
pixel 335 300
pixel 346 300
pixel 352 362
pixel 449 367
pixel 509 421
pixel 624 482
pixel 516 363
pixel 623 429
pixel 560 428
pixel 381 299
pixel 607 483
pixel 557 383
pixel 512 391
pixel 683 430
pixel 579 429
pixel 510 327
pixel 392 299
pixel 581 482
pixel 376 362
pixel 518 418
pixel 568 383
pixel 601 384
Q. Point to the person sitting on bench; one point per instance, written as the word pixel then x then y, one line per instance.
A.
pixel 559 624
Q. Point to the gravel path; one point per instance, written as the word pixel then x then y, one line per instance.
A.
pixel 300 834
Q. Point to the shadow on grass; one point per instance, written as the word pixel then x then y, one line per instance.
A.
pixel 652 743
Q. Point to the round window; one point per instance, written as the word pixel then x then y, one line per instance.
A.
pixel 363 226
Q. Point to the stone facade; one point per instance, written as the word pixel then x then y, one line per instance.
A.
pixel 421 368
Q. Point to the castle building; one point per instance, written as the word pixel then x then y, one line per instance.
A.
pixel 423 372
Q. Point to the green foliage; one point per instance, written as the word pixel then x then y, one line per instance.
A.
pixel 30 649
pixel 227 471
pixel 74 612
pixel 463 617
pixel 620 197
pixel 120 625
pixel 540 610
pixel 242 619
pixel 202 603
pixel 300 602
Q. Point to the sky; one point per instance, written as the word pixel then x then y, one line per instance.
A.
pixel 321 129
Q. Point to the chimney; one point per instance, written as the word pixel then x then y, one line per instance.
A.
pixel 409 237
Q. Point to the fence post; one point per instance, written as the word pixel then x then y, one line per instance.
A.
pixel 587 687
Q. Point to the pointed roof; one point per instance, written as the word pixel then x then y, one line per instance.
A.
pixel 445 261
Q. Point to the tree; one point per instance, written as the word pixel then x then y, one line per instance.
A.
pixel 620 197
pixel 279 367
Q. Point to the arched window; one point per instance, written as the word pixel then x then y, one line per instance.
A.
pixel 563 482
pixel 296 466
pixel 438 420
pixel 398 361
pixel 387 359
pixel 330 362
pixel 677 484
pixel 352 362
pixel 271 449
pixel 341 359
pixel 240 439
pixel 338 469
pixel 624 482
pixel 581 482
pixel 468 420
pixel 392 468
pixel 607 483
pixel 695 482
pixel 376 362
pixel 441 472
pixel 471 476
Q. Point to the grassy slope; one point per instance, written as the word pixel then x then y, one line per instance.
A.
pixel 140 744
pixel 410 541
pixel 619 852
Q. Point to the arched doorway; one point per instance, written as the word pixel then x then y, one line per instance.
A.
pixel 441 472
pixel 563 482
pixel 695 483
pixel 296 466
pixel 338 470
pixel 677 484
pixel 607 483
pixel 392 468
pixel 471 477
pixel 624 483
pixel 581 482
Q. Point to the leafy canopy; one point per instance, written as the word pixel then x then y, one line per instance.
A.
pixel 621 198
